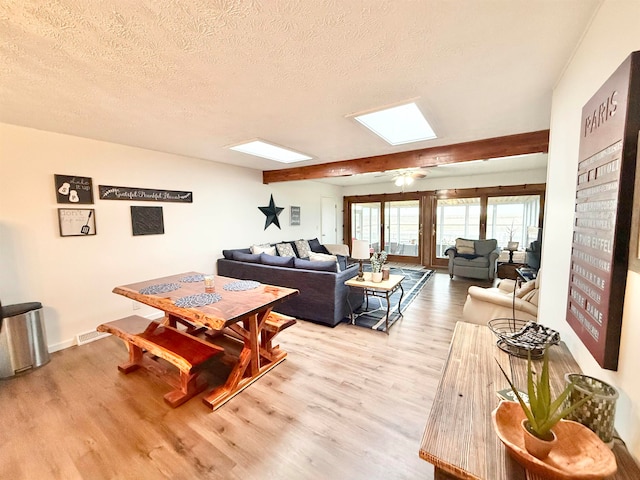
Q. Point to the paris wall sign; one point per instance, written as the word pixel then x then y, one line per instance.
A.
pixel 603 212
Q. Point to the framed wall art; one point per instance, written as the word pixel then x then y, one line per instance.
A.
pixel 77 222
pixel 109 192
pixel 147 221
pixel 73 189
pixel 295 216
pixel 602 227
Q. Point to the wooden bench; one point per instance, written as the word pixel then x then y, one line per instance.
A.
pixel 189 354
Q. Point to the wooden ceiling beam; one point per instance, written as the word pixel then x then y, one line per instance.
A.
pixel 520 144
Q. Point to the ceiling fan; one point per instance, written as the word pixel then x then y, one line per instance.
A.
pixel 405 177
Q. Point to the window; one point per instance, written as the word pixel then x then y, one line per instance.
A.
pixel 456 217
pixel 365 223
pixel 402 223
pixel 513 219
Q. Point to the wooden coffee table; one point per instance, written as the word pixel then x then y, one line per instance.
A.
pixel 383 289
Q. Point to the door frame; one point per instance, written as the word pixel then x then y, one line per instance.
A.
pixel 382 199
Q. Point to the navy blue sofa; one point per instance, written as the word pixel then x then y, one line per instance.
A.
pixel 323 294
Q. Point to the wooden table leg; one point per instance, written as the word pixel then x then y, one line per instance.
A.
pixel 249 367
pixel 253 345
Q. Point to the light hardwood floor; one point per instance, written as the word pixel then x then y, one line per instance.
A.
pixel 348 403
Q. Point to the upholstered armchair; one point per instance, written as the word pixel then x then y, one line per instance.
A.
pixel 473 258
pixel 484 304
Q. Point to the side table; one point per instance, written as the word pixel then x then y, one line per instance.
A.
pixel 508 270
pixel 383 289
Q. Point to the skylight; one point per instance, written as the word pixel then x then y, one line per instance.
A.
pixel 263 149
pixel 398 125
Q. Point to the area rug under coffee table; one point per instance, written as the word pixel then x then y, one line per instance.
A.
pixel 374 317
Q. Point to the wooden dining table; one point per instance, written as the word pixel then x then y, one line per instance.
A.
pixel 239 312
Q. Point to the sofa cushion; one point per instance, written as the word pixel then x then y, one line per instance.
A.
pixel 303 248
pixel 285 250
pixel 228 254
pixel 532 297
pixel 317 247
pixel 265 248
pixel 465 247
pixel 525 288
pixel 485 247
pixel 471 262
pixel 276 261
pixel 246 257
pixel 326 266
pixel 323 257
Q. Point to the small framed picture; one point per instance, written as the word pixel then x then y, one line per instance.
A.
pixel 73 189
pixel 295 216
pixel 77 222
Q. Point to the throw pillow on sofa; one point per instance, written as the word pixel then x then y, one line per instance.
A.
pixel 303 248
pixel 323 257
pixel 328 266
pixel 247 257
pixel 317 247
pixel 465 247
pixel 285 250
pixel 228 254
pixel 276 261
pixel 266 248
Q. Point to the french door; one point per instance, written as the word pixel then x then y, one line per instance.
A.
pixel 390 225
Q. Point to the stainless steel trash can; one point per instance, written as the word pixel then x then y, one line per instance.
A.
pixel 23 339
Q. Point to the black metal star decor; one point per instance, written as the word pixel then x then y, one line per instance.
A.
pixel 271 212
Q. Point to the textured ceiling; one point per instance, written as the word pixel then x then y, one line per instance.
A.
pixel 192 77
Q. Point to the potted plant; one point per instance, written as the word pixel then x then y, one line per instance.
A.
pixel 542 413
pixel 377 260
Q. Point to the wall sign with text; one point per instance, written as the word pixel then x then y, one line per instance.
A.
pixel 77 222
pixel 108 192
pixel 603 212
pixel 73 189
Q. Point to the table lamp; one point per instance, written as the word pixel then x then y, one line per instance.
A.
pixel 360 252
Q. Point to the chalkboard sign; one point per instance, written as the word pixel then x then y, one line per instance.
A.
pixel 108 192
pixel 73 189
pixel 603 212
pixel 147 221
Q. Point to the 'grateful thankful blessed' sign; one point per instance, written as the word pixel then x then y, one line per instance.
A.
pixel 108 192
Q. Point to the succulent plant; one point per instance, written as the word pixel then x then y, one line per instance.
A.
pixel 542 412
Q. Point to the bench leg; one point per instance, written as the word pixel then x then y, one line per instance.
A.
pixel 135 359
pixel 190 385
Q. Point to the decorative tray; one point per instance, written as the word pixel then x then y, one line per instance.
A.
pixel 578 455
pixel 521 337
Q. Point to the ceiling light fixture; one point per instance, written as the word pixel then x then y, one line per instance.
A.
pixel 260 148
pixel 403 180
pixel 398 125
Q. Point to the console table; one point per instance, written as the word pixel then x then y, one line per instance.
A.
pixel 459 439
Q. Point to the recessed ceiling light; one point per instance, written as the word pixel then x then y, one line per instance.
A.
pixel 263 149
pixel 398 125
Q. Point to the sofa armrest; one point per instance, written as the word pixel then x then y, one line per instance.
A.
pixel 507 285
pixel 489 295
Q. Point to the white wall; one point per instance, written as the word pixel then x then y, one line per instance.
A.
pixel 612 36
pixel 73 276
